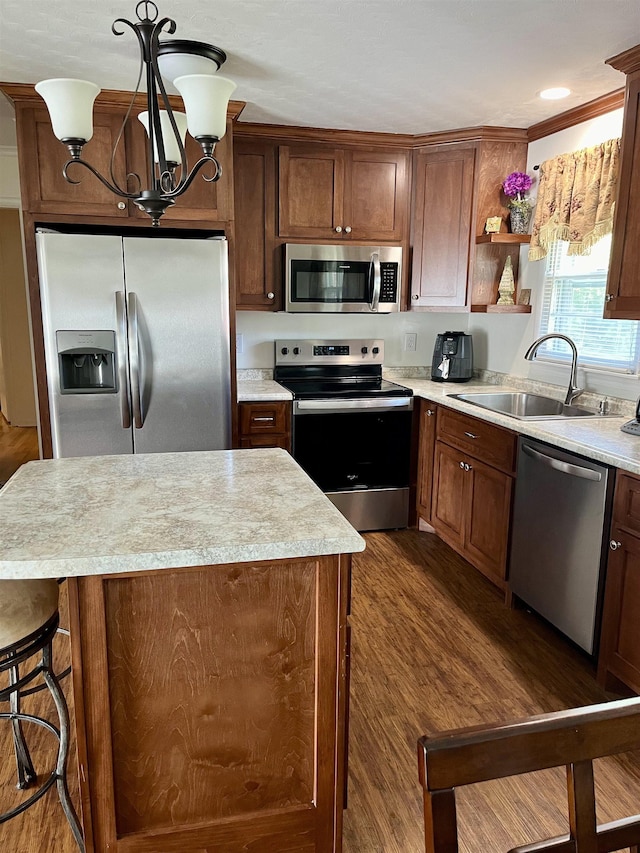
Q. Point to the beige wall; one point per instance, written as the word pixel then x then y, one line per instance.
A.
pixel 17 398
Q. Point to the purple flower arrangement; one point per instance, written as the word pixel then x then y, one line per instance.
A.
pixel 515 185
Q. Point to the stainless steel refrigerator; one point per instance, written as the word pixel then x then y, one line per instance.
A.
pixel 136 337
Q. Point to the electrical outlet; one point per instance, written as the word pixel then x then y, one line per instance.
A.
pixel 410 341
pixel 239 343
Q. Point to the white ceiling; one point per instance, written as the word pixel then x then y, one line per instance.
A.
pixel 406 66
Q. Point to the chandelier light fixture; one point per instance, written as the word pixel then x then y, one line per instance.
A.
pixel 191 66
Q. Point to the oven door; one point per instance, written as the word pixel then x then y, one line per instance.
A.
pixel 358 452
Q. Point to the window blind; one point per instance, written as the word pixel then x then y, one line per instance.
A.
pixel 573 300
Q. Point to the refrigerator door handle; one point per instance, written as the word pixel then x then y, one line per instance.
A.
pixel 134 360
pixel 123 374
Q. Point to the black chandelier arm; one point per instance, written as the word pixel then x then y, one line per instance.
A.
pixel 184 185
pixel 114 188
pixel 158 80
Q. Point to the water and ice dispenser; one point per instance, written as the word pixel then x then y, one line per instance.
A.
pixel 86 361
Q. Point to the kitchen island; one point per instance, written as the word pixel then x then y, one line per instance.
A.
pixel 208 604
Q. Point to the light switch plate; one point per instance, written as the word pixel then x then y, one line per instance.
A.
pixel 239 343
pixel 410 341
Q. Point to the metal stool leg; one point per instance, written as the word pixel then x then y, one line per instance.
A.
pixel 26 773
pixel 63 748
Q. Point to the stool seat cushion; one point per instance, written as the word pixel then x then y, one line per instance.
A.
pixel 25 605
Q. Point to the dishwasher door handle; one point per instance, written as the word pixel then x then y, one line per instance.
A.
pixel 559 465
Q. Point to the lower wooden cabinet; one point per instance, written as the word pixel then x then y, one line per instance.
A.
pixel 620 644
pixel 465 488
pixel 265 424
pixel 427 441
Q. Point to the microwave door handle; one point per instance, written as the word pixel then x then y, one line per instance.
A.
pixel 377 280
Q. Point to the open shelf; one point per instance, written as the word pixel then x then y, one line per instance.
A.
pixel 501 309
pixel 503 238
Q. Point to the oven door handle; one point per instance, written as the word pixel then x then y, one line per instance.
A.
pixel 302 407
pixel 375 275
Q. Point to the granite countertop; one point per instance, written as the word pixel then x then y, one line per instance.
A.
pixel 596 438
pixel 254 390
pixel 107 514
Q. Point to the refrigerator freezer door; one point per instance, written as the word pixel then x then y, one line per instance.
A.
pixel 80 279
pixel 178 315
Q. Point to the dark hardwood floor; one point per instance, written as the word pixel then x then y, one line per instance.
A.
pixel 17 446
pixel 433 648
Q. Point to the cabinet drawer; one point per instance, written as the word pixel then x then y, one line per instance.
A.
pixel 266 441
pixel 489 443
pixel 261 418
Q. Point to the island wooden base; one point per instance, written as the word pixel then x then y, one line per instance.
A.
pixel 211 705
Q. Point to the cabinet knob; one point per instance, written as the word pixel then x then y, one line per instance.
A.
pixel 122 205
pixel 462 465
pixel 271 295
pixel 430 412
pixel 338 229
pixel 468 467
pixel 347 230
pixel 609 297
pixel 415 296
pixel 615 545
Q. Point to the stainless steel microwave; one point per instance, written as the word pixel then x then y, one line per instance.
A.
pixel 343 278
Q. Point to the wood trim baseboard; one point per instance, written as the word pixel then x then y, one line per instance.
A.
pixel 576 115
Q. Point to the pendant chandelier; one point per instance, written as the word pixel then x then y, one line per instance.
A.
pixel 191 66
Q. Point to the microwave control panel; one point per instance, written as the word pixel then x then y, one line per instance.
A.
pixel 389 283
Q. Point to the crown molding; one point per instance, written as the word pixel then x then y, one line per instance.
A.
pixel 628 61
pixel 483 133
pixel 592 109
pixel 25 93
pixel 291 133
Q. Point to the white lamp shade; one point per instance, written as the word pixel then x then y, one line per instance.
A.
pixel 173 65
pixel 171 149
pixel 70 105
pixel 206 98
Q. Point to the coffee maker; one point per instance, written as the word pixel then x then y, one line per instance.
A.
pixel 452 357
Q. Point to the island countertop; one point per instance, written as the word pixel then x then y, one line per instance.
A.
pixel 109 514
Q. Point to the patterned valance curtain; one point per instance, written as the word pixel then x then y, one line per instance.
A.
pixel 576 197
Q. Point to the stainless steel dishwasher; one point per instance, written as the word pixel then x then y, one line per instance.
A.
pixel 559 538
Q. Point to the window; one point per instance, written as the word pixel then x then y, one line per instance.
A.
pixel 573 299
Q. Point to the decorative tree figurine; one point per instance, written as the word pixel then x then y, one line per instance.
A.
pixel 507 287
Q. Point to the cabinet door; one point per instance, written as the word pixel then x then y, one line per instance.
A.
pixel 623 285
pixel 42 157
pixel 441 231
pixel 311 192
pixel 428 413
pixel 450 499
pixel 487 532
pixel 254 175
pixel 376 195
pixel 203 201
pixel 620 647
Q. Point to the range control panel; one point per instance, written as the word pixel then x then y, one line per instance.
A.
pixel 351 351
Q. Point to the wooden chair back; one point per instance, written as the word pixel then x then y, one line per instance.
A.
pixel 571 738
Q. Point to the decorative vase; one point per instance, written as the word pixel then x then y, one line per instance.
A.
pixel 519 219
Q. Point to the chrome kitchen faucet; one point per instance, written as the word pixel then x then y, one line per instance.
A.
pixel 573 390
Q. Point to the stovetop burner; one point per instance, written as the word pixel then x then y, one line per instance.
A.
pixel 345 369
pixel 315 389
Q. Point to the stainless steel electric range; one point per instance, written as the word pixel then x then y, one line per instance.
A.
pixel 351 427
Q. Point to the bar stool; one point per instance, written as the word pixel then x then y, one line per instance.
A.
pixel 28 624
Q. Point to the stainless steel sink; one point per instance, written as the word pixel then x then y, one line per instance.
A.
pixel 525 406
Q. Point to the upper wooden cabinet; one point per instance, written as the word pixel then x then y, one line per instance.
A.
pixel 330 193
pixel 442 221
pixel 623 285
pixel 456 187
pixel 254 170
pixel 45 191
pixel 42 156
